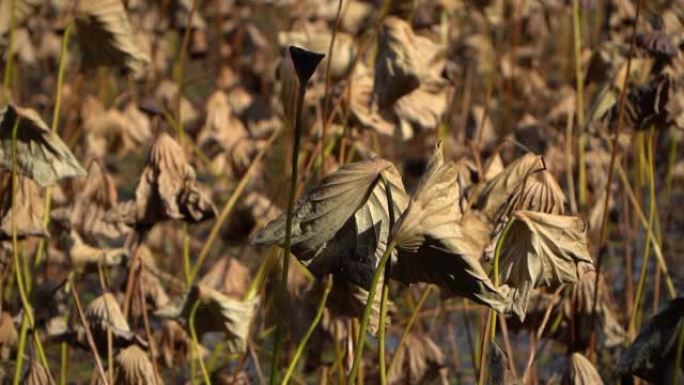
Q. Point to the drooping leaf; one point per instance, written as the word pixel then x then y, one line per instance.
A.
pixel 229 276
pixel 342 224
pixel 107 38
pixel 496 193
pixel 541 250
pixel 433 240
pixel 8 336
pixel 540 192
pixel 85 256
pixel 41 154
pixel 167 189
pixel 581 372
pixel 103 314
pixel 133 367
pixel 652 355
pixel 29 208
pixel 36 375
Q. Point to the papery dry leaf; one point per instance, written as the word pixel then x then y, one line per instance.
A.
pixel 433 243
pixel 107 38
pixel 8 336
pixel 342 225
pixel 229 276
pixel 104 313
pixel 29 209
pixel 36 375
pixel 647 105
pixel 493 167
pixel 84 256
pixel 495 194
pixel 167 189
pixel 41 154
pixel 541 250
pixel 540 192
pixel 581 372
pixel 87 213
pixel 133 367
pixel 419 361
pixel 652 355
pixel 219 313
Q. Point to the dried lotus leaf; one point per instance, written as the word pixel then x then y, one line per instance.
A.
pixel 347 299
pixel 84 256
pixel 219 313
pixel 419 361
pixel 167 189
pixel 540 192
pixel 37 375
pixel 581 372
pixel 41 154
pixel 342 225
pixel 433 242
pixel 104 313
pixel 652 355
pixel 133 367
pixel 107 37
pixel 23 9
pixel 541 249
pixel 229 276
pixel 87 214
pixel 8 336
pixel 495 193
pixel 29 208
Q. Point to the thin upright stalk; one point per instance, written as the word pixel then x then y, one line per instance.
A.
pixel 195 341
pixel 351 379
pixel 382 333
pixel 326 94
pixel 281 329
pixel 579 97
pixel 179 70
pixel 228 208
pixel 305 339
pixel 7 78
pixel 603 234
pixel 19 362
pixel 89 335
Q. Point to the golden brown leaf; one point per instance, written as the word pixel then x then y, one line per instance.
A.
pixel 36 375
pixel 419 361
pixel 8 336
pixel 133 367
pixel 581 372
pixel 29 209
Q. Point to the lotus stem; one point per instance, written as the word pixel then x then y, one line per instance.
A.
pixel 64 359
pixel 603 234
pixel 326 94
pixel 195 341
pixel 89 335
pixel 10 56
pixel 180 69
pixel 409 326
pixel 579 90
pixel 228 207
pixel 381 332
pixel 19 363
pixel 367 311
pixel 309 332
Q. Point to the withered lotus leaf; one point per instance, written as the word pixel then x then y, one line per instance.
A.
pixel 107 38
pixel 229 276
pixel 538 192
pixel 349 300
pixel 87 213
pixel 29 208
pixel 342 224
pixel 218 312
pixel 581 372
pixel 41 154
pixel 433 243
pixel 8 336
pixel 23 9
pixel 652 355
pixel 133 367
pixel 419 361
pixel 495 193
pixel 305 63
pixel 36 375
pixel 541 249
pixel 167 189
pixel 84 256
pixel 104 313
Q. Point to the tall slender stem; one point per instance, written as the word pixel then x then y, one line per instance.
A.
pixel 195 341
pixel 281 330
pixel 579 91
pixel 7 78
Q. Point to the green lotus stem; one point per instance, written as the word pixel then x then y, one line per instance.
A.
pixel 367 311
pixel 312 327
pixel 381 332
pixel 647 244
pixel 64 358
pixel 187 265
pixel 10 57
pixel 19 363
pixel 490 332
pixel 40 251
pixel 326 93
pixel 195 341
pixel 409 326
pixel 228 207
pixel 579 90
